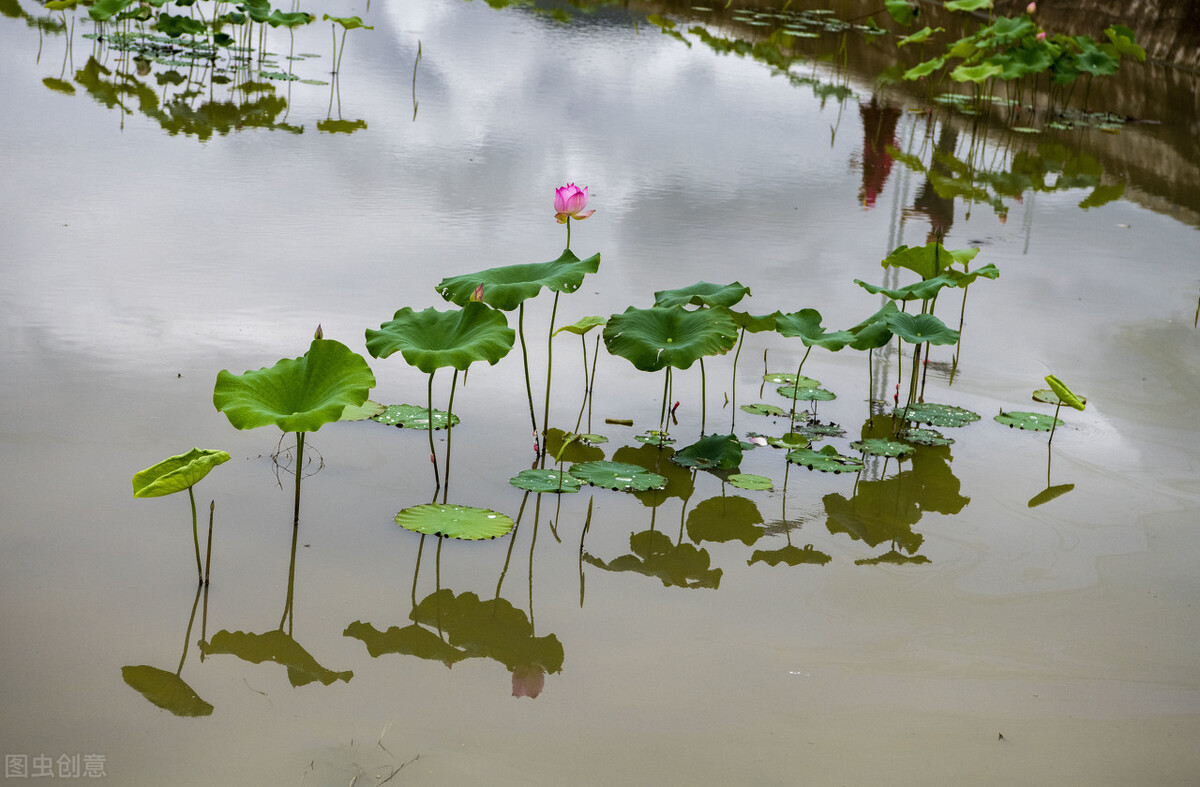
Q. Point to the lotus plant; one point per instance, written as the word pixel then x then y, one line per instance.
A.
pixel 569 203
pixel 176 473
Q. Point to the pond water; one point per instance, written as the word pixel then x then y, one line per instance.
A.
pixel 1041 625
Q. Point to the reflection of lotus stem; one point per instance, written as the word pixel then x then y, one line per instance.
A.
pixel 587 523
pixel 537 514
pixel 187 637
pixel 432 456
pixel 212 505
pixel 549 367
pixel 733 385
pixel 796 386
pixel 703 397
pixel 196 537
pixel 512 540
pixel 449 432
pixel 525 361
pixel 299 470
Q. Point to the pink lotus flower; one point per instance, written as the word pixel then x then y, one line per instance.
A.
pixel 1031 8
pixel 569 203
pixel 1041 36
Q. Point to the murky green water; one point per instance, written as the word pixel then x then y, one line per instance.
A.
pixel 1048 644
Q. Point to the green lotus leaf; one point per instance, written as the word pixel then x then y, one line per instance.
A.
pixel 919 37
pixel 567 447
pixel 806 394
pixel 877 446
pixel 1096 62
pixel 411 640
pixel 1064 394
pixel 764 409
pixel 658 337
pixel 702 294
pixel 166 690
pixel 680 481
pixel 806 324
pixel 1034 422
pixel 1047 396
pixel 297 394
pixel 936 414
pixel 902 11
pixel 754 323
pixel 789 441
pixel 789 377
pixel 289 19
pixel 919 291
pixel 918 328
pixel 506 287
pixel 874 332
pixel 537 480
pixel 103 10
pixel 274 646
pixel 362 412
pixel 348 22
pixel 454 521
pixel 924 69
pixel 654 437
pixel 932 259
pixel 827 460
pixel 927 437
pixel 751 482
pixel 581 326
pixel 430 339
pixel 1049 493
pixel 620 476
pixel 979 73
pixel 60 5
pixel 816 429
pixel 177 473
pixel 412 416
pixel 968 5
pixel 792 555
pixel 965 278
pixel 1121 38
pixel 712 452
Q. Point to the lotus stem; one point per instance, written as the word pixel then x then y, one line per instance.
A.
pixel 733 385
pixel 703 397
pixel 568 233
pixel 291 587
pixel 432 454
pixel 449 432
pixel 592 384
pixel 187 637
pixel 525 361
pixel 549 368
pixel 662 417
pixel 1054 423
pixel 586 386
pixel 299 472
pixel 342 51
pixel 196 537
pixel 796 387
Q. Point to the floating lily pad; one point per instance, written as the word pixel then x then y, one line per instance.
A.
pixel 816 429
pixel 936 414
pixel 1034 422
pixel 764 409
pixel 789 441
pixel 654 437
pixel 827 460
pixel 790 377
pixel 166 690
pixel 454 521
pixel 619 476
pixel 928 437
pixel 713 452
pixel 177 473
pixel 876 446
pixel 755 483
pixel 806 394
pixel 362 412
pixel 537 480
pixel 411 416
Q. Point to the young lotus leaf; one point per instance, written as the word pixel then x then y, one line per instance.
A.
pixel 816 429
pixel 506 287
pixel 790 377
pixel 411 416
pixel 932 259
pixel 751 482
pixel 919 328
pixel 966 278
pixel 702 294
pixel 454 521
pixel 918 291
pixel 166 690
pixel 754 323
pixel 362 412
pixel 1047 396
pixel 655 338
pixel 968 5
pixel 764 409
pixel 1034 422
pixel 877 446
pixel 806 324
pixel 927 437
pixel 792 555
pixel 177 473
pixel 581 326
pixel 619 476
pixel 430 339
pixel 1064 394
pixel 874 332
pixel 297 394
pixel 347 22
pixel 936 414
pixel 537 480
pixel 713 452
pixel 827 460
pixel 806 394
pixel 654 437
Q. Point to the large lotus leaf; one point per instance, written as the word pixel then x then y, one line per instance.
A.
pixel 581 326
pixel 827 460
pixel 540 480
pixel 902 11
pixel 929 260
pixel 620 476
pixel 968 5
pixel 176 26
pixel 702 294
pixel 103 10
pixel 806 324
pixel 919 291
pixel 655 338
pixel 1121 38
pixel 754 323
pixel 874 332
pixel 1064 394
pixel 430 339
pixel 297 394
pixel 721 519
pixel 878 446
pixel 506 287
pixel 792 555
pixel 713 452
pixel 289 19
pixel 277 647
pixel 918 328
pixel 925 68
pixel 411 640
pixel 1034 422
pixel 936 414
pixel 979 73
pixel 412 416
pixel 176 473
pixel 454 521
pixel 166 690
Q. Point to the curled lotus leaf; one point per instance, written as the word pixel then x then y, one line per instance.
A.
pixel 712 452
pixel 455 521
pixel 702 294
pixel 347 22
pixel 1047 396
pixel 296 394
pixel 662 336
pixel 929 260
pixel 874 332
pixel 806 324
pixel 177 473
pixel 920 328
pixel 877 446
pixel 620 476
pixel 827 460
pixel 918 291
pixel 754 323
pixel 1064 394
pixel 411 416
pixel 581 326
pixel 431 339
pixel 1034 422
pixel 936 414
pixel 506 287
pixel 539 480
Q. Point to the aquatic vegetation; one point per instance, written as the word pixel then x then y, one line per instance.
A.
pixel 454 521
pixel 1058 394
